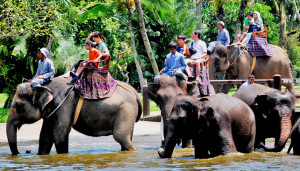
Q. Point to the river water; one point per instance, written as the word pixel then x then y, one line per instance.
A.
pixel 90 153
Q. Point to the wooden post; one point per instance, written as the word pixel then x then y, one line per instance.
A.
pixel 277 82
pixel 146 102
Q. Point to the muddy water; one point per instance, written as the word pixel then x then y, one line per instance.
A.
pixel 88 153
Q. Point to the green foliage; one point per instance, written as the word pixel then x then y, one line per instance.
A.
pixel 231 9
pixel 3 115
pixel 66 53
pixel 292 47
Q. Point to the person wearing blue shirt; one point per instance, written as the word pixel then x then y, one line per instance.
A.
pixel 175 64
pixel 251 79
pixel 223 37
pixel 45 69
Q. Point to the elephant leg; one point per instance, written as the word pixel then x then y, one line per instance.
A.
pixel 187 143
pixel 201 148
pixel 258 141
pixel 223 144
pixel 123 131
pixel 61 133
pixel 46 139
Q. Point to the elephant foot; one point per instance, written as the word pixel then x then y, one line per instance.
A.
pixel 161 152
pixel 131 148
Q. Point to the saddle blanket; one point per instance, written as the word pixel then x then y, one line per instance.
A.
pixel 204 82
pixel 258 46
pixel 95 84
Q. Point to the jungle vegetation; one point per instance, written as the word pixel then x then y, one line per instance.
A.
pixel 137 32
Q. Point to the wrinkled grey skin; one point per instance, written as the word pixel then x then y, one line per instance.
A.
pixel 163 92
pixel 219 125
pixel 110 116
pixel 295 138
pixel 237 64
pixel 273 111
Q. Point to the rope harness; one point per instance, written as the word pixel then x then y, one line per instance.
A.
pixel 253 59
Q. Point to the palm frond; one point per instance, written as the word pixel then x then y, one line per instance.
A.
pixel 93 11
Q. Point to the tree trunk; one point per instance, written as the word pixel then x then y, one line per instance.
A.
pixel 297 12
pixel 239 25
pixel 199 8
pixel 135 54
pixel 282 37
pixel 145 37
pixel 276 7
pixel 292 21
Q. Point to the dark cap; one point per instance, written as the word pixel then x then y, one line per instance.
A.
pixel 88 43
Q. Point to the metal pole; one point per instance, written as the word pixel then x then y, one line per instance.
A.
pixel 146 102
pixel 277 82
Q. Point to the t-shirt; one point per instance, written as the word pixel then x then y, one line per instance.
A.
pixel 246 21
pixel 94 54
pixel 200 47
pixel 101 47
pixel 181 50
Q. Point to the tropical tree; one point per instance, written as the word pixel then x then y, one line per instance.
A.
pixel 145 36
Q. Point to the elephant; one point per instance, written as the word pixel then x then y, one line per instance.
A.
pixel 219 124
pixel 273 111
pixel 163 92
pixel 237 62
pixel 295 138
pixel 115 115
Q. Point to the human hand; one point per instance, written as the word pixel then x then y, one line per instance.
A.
pixel 161 72
pixel 251 22
pixel 175 70
pixel 40 77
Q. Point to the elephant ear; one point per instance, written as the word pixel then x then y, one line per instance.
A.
pixel 234 52
pixel 260 104
pixel 152 91
pixel 42 96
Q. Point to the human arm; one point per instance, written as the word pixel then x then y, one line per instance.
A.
pixel 166 68
pixel 51 70
pixel 227 38
pixel 183 63
pixel 89 37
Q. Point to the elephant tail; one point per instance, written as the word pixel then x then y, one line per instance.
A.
pixel 140 108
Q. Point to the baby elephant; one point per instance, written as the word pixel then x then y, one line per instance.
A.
pixel 219 125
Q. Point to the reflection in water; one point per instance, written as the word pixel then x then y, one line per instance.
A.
pixel 99 153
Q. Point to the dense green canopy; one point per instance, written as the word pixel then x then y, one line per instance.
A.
pixel 63 25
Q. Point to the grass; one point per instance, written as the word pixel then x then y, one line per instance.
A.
pixel 3 112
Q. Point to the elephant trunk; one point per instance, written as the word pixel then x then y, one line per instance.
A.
pixel 165 111
pixel 285 131
pixel 11 132
pixel 167 151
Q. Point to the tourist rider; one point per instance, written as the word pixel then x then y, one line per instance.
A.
pixel 223 37
pixel 45 69
pixel 182 49
pixel 257 24
pixel 175 64
pixel 245 37
pixel 251 79
pixel 198 52
pixel 94 55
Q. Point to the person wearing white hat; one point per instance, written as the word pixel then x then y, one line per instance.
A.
pixel 223 37
pixel 45 69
